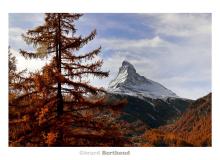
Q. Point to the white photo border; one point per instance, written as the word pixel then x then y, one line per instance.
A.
pixel 110 6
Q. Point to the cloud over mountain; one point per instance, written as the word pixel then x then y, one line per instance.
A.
pixel 174 49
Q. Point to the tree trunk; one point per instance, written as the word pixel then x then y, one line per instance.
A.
pixel 59 93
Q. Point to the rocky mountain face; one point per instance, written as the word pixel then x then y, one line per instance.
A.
pixel 129 82
pixel 153 112
pixel 149 103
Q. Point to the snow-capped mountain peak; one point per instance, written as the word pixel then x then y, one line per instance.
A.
pixel 128 81
pixel 127 66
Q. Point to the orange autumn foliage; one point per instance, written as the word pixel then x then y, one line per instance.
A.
pixel 57 106
pixel 192 129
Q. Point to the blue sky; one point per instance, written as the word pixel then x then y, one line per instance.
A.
pixel 172 49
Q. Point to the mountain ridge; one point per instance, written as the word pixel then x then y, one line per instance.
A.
pixel 129 82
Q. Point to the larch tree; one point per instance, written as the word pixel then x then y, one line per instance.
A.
pixel 58 101
pixel 56 39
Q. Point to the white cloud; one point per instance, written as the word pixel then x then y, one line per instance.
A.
pixel 177 65
pixel 25 19
pixel 16 42
pixel 178 55
pixel 32 65
pixel 182 25
pixel 132 44
pixel 15 38
pixel 19 23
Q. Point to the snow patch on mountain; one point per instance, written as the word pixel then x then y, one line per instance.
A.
pixel 129 82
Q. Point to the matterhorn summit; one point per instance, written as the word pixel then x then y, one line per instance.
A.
pixel 129 82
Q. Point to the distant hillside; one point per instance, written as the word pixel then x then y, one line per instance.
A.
pixel 195 124
pixel 192 129
pixel 152 112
